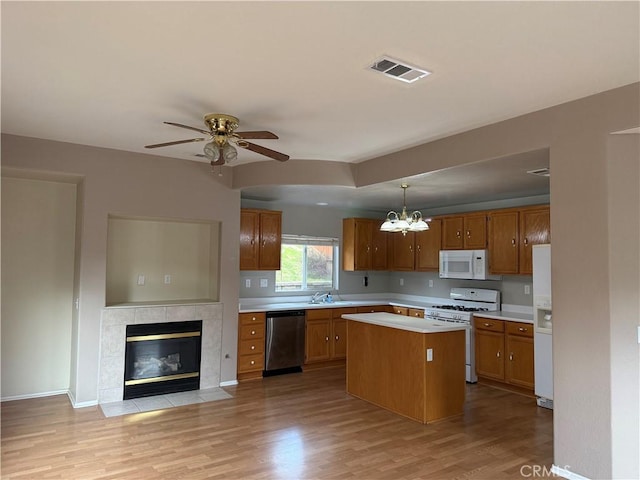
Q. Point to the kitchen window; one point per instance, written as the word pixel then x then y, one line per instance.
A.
pixel 307 263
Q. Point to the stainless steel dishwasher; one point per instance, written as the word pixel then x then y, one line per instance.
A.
pixel 284 343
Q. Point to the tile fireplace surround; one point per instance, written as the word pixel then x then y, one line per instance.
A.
pixel 113 327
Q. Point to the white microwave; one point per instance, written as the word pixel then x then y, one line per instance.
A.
pixel 466 264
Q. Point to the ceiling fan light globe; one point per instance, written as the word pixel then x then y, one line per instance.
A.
pixel 211 151
pixel 229 153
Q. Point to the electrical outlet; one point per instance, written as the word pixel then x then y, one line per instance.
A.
pixel 167 279
pixel 140 279
pixel 430 283
pixel 264 283
pixel 527 289
pixel 402 282
pixel 247 283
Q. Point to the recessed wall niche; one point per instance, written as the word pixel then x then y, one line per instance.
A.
pixel 156 260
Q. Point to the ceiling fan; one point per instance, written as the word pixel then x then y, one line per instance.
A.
pixel 221 132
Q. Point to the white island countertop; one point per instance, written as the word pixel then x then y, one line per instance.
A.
pixel 402 322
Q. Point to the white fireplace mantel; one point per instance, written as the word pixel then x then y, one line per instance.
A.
pixel 113 325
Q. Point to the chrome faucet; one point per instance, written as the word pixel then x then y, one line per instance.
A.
pixel 319 297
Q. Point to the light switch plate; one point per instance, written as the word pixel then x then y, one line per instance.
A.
pixel 264 283
pixel 247 283
pixel 140 279
pixel 429 354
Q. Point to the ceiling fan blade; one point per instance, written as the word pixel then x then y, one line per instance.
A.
pixel 206 132
pixel 281 157
pixel 177 142
pixel 263 135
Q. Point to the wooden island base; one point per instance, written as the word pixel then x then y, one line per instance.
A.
pixel 388 367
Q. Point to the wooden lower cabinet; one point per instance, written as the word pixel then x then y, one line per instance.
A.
pixel 388 367
pixel 504 353
pixel 251 330
pixel 326 335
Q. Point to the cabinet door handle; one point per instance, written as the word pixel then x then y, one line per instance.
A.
pixel 418 248
pixel 458 234
pixel 253 362
pixel 411 248
pixel 526 241
pixel 253 332
pixel 511 356
pixel 522 329
pixel 468 234
pixel 253 347
pixel 513 242
pixel 498 354
pixel 487 325
pixel 337 338
pixel 326 339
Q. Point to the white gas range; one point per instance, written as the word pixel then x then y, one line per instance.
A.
pixel 463 303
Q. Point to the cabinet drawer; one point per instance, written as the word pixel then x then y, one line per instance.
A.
pixel 248 332
pixel 252 318
pixel 490 324
pixel 338 312
pixel 416 312
pixel 250 363
pixel 249 347
pixel 522 329
pixel 318 314
pixel 401 310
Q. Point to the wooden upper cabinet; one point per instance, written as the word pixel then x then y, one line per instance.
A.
pixel 403 253
pixel 534 229
pixel 364 245
pixel 260 239
pixel 452 233
pixel 249 239
pixel 475 231
pixel 428 244
pixel 467 231
pixel 379 248
pixel 503 242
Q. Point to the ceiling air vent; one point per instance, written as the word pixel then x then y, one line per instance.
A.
pixel 541 172
pixel 399 70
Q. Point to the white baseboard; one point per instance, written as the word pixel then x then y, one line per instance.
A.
pixel 76 404
pixel 563 472
pixel 228 383
pixel 34 395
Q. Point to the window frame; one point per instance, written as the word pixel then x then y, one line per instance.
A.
pixel 306 241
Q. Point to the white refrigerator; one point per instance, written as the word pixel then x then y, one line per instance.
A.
pixel 543 325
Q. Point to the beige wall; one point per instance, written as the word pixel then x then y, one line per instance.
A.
pixel 132 185
pixel 187 251
pixel 38 240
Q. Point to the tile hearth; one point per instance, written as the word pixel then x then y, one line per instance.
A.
pixel 161 402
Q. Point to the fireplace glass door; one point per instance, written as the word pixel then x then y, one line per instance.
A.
pixel 162 358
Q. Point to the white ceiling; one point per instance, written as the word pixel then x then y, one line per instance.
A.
pixel 108 74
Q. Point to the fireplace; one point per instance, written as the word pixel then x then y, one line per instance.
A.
pixel 162 358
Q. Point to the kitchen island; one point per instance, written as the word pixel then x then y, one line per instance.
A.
pixel 412 366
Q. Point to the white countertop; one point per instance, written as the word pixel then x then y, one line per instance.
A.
pixel 268 306
pixel 402 322
pixel 508 316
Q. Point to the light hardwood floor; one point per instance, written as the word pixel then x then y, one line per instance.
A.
pixel 286 427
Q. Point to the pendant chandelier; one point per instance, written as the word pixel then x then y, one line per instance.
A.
pixel 404 223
